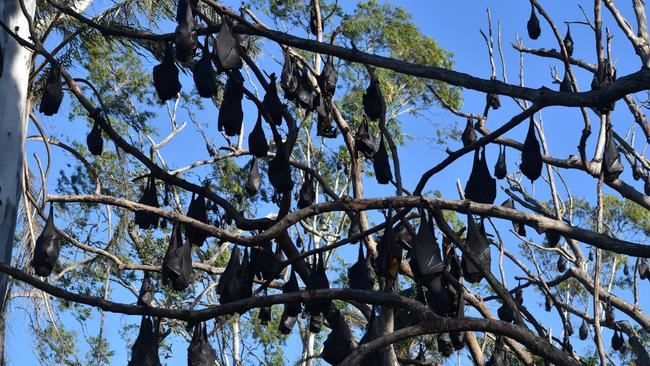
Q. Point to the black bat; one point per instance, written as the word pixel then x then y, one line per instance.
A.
pixel 272 103
pixel 480 186
pixel 364 141
pixel 231 113
pixel 328 77
pixel 199 351
pixel 146 220
pixel 247 277
pixel 177 263
pixel 52 93
pixel 381 165
pixel 499 356
pixel 425 247
pixel 317 281
pixel 612 160
pixel 500 168
pixel 205 78
pixel 444 344
pixel 469 134
pixel 360 275
pixel 254 180
pixel 231 281
pixel 198 211
pixel 339 343
pixel 306 195
pixel 47 248
pixel 531 155
pixel 228 52
pixel 568 41
pixel 565 85
pixel 493 101
pixel 257 143
pixel 479 247
pixel 94 140
pixel 372 333
pixel 165 76
pixel 291 310
pixel 144 351
pixel 324 119
pixel 305 91
pixel 185 34
pixel 583 332
pixel 145 296
pixel 280 172
pixel 372 101
pixel 534 30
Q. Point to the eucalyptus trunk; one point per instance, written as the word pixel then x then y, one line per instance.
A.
pixel 14 111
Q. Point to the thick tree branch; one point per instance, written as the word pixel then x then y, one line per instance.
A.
pixel 211 312
pixel 632 83
pixel 539 222
pixel 536 344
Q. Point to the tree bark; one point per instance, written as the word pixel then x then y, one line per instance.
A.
pixel 14 84
pixel 236 339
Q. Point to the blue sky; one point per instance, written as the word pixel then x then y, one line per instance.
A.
pixel 455 25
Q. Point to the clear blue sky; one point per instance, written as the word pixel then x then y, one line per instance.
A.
pixel 455 25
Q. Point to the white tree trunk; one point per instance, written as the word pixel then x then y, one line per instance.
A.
pixel 14 111
pixel 310 349
pixel 236 342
